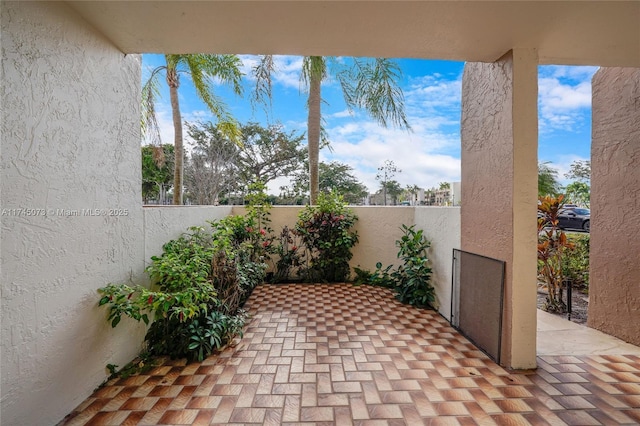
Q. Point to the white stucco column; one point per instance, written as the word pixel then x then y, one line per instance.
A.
pixel 499 176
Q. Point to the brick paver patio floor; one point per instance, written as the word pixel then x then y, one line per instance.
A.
pixel 341 354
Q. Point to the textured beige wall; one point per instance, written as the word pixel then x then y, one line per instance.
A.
pixel 441 226
pixel 70 141
pixel 614 287
pixel 499 169
pixel 164 223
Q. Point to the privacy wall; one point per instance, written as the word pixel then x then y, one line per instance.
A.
pixel 378 229
pixel 71 212
pixel 614 279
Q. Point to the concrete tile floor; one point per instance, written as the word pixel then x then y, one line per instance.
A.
pixel 339 354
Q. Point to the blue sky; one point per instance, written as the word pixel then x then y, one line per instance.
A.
pixel 431 152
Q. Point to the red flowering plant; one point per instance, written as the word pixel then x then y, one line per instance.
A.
pixel 326 232
pixel 289 255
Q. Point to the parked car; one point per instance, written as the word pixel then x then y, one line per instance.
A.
pixel 574 218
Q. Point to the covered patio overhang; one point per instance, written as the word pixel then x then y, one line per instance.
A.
pixel 70 140
pixel 603 33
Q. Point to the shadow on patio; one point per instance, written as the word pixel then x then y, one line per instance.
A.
pixel 341 354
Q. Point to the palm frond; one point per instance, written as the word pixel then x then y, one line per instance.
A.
pixel 203 68
pixel 374 87
pixel 313 67
pixel 262 73
pixel 148 118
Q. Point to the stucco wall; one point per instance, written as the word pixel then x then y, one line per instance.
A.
pixel 441 226
pixel 499 175
pixel 614 287
pixel 162 224
pixel 70 141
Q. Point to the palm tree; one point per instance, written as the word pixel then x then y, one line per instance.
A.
pixel 548 180
pixel 202 69
pixel 369 83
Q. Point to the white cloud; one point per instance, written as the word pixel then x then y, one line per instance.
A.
pixel 421 155
pixel 342 114
pixel 564 96
pixel 427 155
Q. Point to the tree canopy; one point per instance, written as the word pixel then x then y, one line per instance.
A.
pixel 157 171
pixel 334 177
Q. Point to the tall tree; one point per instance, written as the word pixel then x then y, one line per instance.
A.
pixel 211 169
pixel 334 177
pixel 393 189
pixel 371 84
pixel 579 191
pixel 267 153
pixel 548 180
pixel 580 170
pixel 202 69
pixel 385 172
pixel 157 173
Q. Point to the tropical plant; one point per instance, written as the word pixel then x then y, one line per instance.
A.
pixel 202 69
pixel 289 253
pixel 199 284
pixel 381 277
pixel 578 193
pixel 412 278
pixel 326 232
pixel 157 171
pixel 552 245
pixel 548 180
pixel 217 332
pixel 371 84
pixel 575 262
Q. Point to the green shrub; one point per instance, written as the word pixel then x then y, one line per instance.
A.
pixel 325 231
pixel 411 280
pixel 575 262
pixel 199 284
pixel 381 277
pixel 289 251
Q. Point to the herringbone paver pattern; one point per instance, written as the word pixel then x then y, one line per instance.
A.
pixel 340 354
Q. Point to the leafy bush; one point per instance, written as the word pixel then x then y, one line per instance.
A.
pixel 413 276
pixel 200 282
pixel 575 262
pixel 411 280
pixel 289 254
pixel 381 277
pixel 325 231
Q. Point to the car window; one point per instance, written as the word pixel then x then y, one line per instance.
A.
pixel 581 211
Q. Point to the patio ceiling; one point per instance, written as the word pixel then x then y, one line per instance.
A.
pixel 605 33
